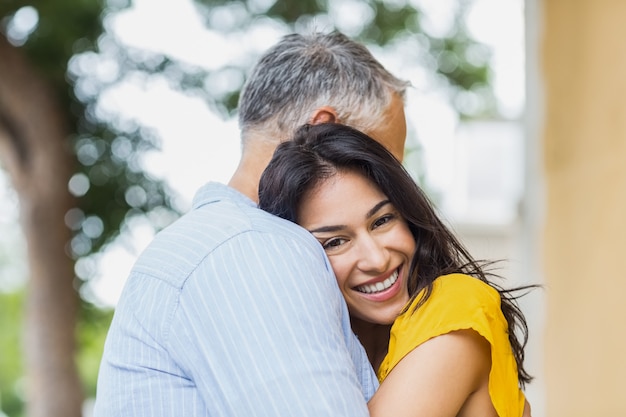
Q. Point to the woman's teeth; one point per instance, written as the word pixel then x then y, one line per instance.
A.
pixel 379 286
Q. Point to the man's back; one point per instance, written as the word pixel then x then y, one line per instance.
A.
pixel 232 312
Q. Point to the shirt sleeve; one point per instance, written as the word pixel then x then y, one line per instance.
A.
pixel 269 335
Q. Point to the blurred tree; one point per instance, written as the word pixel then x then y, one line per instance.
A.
pixel 77 180
pixel 33 136
pixel 77 170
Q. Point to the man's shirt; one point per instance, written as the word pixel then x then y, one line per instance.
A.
pixel 232 312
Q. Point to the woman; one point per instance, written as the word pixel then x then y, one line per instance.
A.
pixel 440 334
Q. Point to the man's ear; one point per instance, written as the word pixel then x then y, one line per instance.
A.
pixel 324 114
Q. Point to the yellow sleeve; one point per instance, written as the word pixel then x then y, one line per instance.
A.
pixel 461 302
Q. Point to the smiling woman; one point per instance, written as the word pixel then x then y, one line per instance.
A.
pixel 368 243
pixel 430 319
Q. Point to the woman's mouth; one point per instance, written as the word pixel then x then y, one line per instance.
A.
pixel 379 286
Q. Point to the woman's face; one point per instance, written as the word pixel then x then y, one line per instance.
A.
pixel 369 244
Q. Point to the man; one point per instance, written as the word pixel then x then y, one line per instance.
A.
pixel 231 311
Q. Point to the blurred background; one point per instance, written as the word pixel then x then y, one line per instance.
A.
pixel 112 114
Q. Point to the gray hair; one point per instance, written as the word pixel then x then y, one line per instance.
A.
pixel 304 72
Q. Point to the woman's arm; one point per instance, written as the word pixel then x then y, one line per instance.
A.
pixel 437 378
pixel 526 409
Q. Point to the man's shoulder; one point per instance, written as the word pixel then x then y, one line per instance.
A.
pixel 225 216
pixel 219 219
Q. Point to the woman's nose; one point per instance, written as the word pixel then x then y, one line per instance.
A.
pixel 373 255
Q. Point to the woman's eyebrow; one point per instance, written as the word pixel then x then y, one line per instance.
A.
pixel 328 229
pixel 339 227
pixel 377 207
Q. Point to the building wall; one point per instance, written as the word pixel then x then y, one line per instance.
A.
pixel 582 65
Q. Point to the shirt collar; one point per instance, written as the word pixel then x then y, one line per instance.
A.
pixel 213 192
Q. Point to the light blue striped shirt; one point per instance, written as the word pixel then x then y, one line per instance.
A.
pixel 232 312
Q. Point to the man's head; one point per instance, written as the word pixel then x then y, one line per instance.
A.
pixel 321 78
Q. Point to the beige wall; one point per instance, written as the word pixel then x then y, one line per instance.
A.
pixel 582 54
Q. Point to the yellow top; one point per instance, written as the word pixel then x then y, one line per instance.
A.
pixel 461 302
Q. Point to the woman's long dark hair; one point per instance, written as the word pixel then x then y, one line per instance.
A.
pixel 320 151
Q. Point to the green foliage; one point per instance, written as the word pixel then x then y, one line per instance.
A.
pixel 64 28
pixel 11 366
pixel 91 333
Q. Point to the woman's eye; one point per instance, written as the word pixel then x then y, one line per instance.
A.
pixel 383 220
pixel 333 243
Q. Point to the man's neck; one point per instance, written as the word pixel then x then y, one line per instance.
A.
pixel 246 184
pixel 254 159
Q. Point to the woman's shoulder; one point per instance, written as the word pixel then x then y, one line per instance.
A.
pixel 455 299
pixel 464 287
pixel 457 302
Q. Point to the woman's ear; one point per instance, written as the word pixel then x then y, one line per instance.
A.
pixel 324 114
